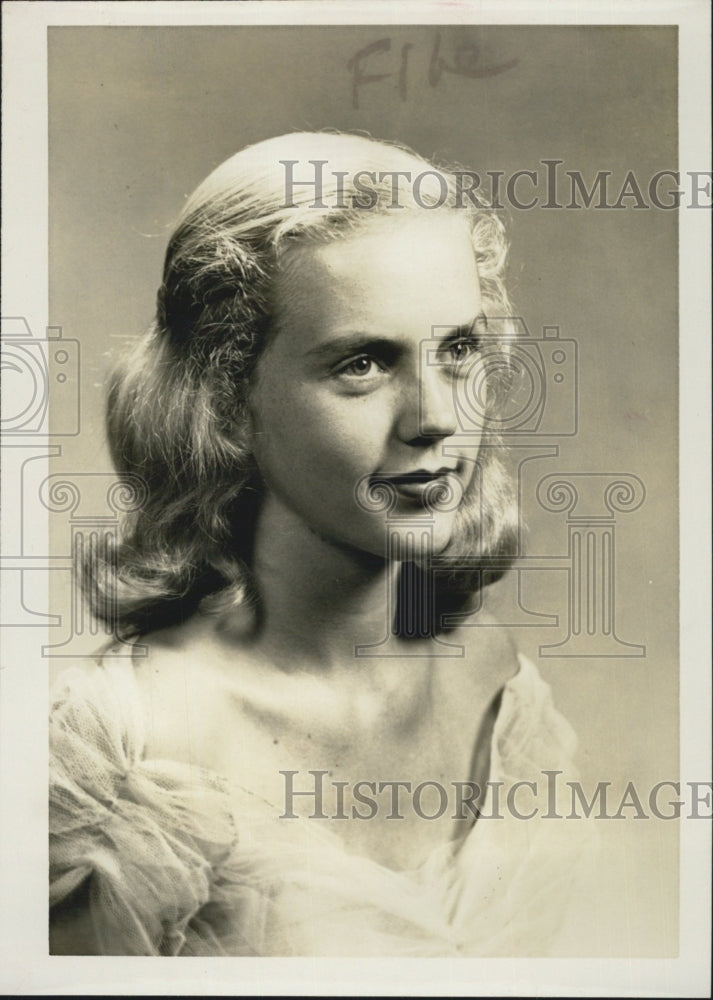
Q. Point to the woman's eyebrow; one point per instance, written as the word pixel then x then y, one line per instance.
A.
pixel 362 341
pixel 353 343
pixel 479 327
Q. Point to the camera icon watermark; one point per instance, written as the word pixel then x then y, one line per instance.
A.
pixel 36 370
pixel 540 374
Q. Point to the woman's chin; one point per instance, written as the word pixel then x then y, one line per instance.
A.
pixel 441 543
pixel 415 541
pixel 419 543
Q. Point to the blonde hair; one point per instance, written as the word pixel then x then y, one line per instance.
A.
pixel 176 409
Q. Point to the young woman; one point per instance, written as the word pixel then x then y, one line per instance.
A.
pixel 309 760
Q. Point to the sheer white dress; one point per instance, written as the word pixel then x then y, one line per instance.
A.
pixel 181 862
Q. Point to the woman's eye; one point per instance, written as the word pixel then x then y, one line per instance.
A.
pixel 360 367
pixel 461 351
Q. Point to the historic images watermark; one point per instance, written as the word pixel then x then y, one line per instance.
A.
pixel 547 185
pixel 548 798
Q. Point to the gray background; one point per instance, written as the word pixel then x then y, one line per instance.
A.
pixel 138 117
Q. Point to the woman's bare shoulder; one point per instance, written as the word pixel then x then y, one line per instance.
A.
pixel 182 676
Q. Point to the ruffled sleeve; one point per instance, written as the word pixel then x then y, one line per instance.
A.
pixel 149 835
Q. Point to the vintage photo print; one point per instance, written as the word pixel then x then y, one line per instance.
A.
pixel 355 522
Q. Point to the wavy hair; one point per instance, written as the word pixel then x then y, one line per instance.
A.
pixel 176 408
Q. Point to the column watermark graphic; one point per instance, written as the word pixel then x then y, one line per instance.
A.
pixel 93 505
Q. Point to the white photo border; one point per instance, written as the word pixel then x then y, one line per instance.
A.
pixel 26 967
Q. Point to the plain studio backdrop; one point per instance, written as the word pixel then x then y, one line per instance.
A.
pixel 139 116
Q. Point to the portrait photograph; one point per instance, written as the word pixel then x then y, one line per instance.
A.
pixel 356 499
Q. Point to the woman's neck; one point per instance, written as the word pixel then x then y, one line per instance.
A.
pixel 319 601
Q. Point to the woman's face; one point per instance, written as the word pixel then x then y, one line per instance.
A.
pixel 377 334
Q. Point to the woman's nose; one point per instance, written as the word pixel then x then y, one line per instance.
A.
pixel 428 407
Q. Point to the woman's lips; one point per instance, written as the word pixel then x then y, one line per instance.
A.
pixel 420 486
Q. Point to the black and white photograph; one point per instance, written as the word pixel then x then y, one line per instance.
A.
pixel 356 499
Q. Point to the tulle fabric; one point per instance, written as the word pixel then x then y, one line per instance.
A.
pixel 181 862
